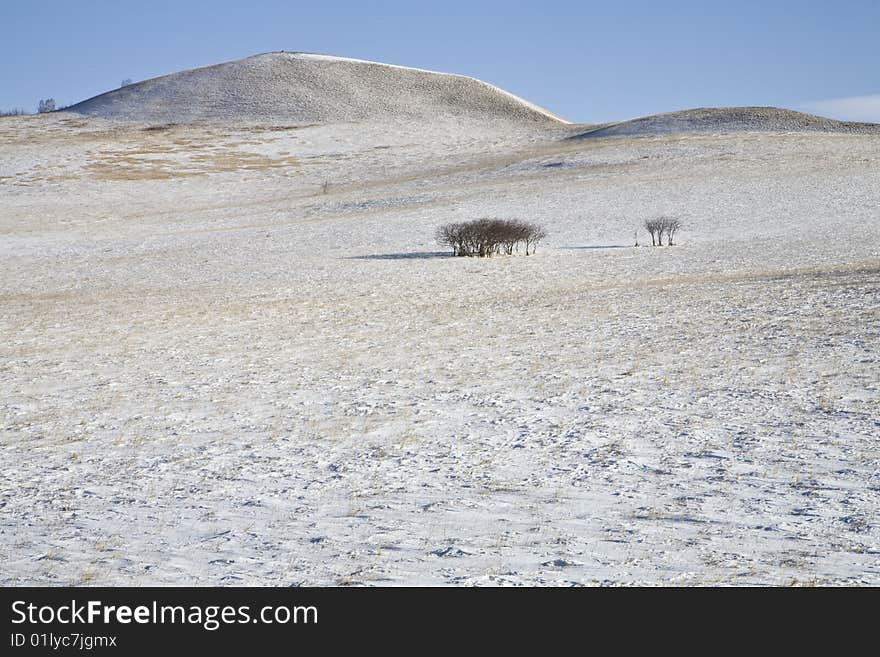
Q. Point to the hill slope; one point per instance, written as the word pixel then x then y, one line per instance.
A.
pixel 307 89
pixel 727 119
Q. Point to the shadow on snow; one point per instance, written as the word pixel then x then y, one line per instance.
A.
pixel 601 246
pixel 419 255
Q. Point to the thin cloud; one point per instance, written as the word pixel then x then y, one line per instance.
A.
pixel 852 108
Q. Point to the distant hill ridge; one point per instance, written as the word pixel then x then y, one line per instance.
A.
pixel 726 119
pixel 306 88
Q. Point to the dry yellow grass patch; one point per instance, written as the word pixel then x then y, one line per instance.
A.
pixel 142 163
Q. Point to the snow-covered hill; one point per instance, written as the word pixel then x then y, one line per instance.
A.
pixel 312 89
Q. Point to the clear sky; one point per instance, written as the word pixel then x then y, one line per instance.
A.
pixel 588 61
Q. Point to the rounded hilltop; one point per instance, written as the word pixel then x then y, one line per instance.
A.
pixel 726 119
pixel 307 88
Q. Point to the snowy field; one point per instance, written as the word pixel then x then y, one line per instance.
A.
pixel 237 356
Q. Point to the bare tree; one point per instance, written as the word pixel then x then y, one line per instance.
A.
pixel 653 226
pixel 661 227
pixel 511 235
pixel 534 234
pixel 125 82
pixel 451 235
pixel 669 226
pixel 45 106
pixel 487 237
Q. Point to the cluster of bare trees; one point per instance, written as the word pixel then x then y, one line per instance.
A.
pixel 660 227
pixel 45 106
pixel 487 237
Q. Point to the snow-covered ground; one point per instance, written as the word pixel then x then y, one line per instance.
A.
pixel 236 356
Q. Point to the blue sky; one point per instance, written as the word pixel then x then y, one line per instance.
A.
pixel 589 62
